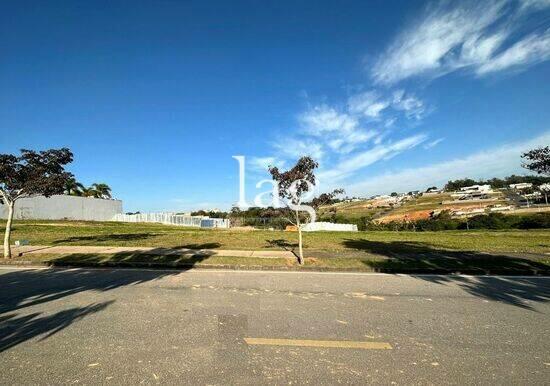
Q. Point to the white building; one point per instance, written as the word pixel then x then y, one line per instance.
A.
pixel 476 189
pixel 521 186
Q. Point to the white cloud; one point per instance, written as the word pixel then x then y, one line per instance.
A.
pixel 434 143
pixel 363 159
pixel 533 49
pixel 495 162
pixel 457 35
pixel 324 119
pixel 534 4
pixel 410 104
pixel 261 164
pixel 293 148
pixel 368 104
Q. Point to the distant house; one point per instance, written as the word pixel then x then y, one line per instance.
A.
pixel 433 190
pixel 521 186
pixel 476 189
pixel 473 192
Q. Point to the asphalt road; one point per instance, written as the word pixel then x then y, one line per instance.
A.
pixel 78 326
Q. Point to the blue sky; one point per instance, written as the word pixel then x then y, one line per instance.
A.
pixel 154 98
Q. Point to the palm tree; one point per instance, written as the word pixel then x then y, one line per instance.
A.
pixel 89 192
pixel 73 187
pixel 101 190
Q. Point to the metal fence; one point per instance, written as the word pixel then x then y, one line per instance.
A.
pixel 174 219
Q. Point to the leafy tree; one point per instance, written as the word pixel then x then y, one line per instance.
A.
pixel 537 160
pixel 326 198
pixel 31 174
pixel 292 185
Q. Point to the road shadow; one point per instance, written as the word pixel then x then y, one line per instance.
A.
pixel 18 329
pixel 516 291
pixel 23 289
pixel 105 238
pixel 416 258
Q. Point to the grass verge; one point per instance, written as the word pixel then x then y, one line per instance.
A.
pixel 441 265
pixel 380 242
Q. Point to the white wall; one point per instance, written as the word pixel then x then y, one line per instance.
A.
pixel 328 226
pixel 64 207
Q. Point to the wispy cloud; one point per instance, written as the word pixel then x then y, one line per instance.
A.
pixel 494 162
pixel 321 120
pixel 261 164
pixel 368 104
pixel 347 137
pixel 292 148
pixel 409 103
pixel 434 143
pixel 350 165
pixel 373 125
pixel 455 35
pixel 533 49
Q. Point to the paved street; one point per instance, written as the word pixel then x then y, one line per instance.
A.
pixel 78 326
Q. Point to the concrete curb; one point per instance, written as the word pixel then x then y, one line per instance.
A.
pixel 187 266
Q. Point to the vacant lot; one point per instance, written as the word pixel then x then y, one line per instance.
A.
pixel 379 243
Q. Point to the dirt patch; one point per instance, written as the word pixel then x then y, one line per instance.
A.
pixel 410 216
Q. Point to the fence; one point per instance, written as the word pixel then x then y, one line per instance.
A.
pixel 174 219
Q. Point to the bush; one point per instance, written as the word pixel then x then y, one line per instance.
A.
pixel 487 221
pixel 536 221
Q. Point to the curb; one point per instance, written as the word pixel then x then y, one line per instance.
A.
pixel 185 266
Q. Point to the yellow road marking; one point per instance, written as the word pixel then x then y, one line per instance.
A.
pixel 319 343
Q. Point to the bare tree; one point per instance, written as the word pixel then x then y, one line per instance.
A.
pixel 31 174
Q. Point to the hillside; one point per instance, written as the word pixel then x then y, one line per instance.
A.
pixel 411 208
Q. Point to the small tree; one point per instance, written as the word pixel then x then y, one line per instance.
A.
pixel 537 160
pixel 292 185
pixel 31 174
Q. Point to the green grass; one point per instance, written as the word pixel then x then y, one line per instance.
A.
pixel 351 244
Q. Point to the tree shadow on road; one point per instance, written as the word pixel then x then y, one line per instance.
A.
pixel 18 329
pixel 419 258
pixel 24 289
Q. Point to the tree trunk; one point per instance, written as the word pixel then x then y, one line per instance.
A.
pixel 546 198
pixel 300 250
pixel 7 248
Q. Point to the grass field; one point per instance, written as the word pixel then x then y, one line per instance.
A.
pixel 325 243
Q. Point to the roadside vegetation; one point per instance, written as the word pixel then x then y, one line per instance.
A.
pixel 43 232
